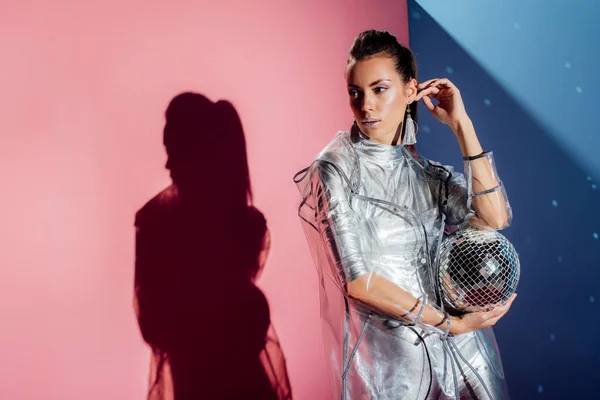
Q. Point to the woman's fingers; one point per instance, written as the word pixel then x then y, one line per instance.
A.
pixel 503 309
pixel 428 103
pixel 437 82
pixel 508 304
pixel 427 92
pixel 494 315
pixel 492 321
pixel 426 83
pixel 445 83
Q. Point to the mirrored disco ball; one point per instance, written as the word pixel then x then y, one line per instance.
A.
pixel 477 270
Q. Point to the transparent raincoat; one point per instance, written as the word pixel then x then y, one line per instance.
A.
pixel 378 213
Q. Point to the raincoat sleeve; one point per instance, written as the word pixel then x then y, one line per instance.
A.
pixel 477 198
pixel 337 224
pixel 339 230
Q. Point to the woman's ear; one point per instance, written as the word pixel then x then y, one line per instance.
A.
pixel 411 91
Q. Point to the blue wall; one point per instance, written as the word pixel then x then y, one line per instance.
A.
pixel 528 73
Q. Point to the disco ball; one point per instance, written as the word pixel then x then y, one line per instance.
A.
pixel 477 270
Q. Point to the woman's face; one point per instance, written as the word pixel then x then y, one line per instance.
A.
pixel 378 96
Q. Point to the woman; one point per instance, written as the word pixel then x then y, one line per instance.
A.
pixel 375 212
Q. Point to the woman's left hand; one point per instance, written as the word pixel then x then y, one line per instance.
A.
pixel 451 109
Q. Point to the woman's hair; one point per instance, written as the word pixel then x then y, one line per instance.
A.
pixel 373 43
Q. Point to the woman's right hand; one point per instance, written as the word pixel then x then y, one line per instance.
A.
pixel 479 320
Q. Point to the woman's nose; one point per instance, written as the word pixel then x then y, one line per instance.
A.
pixel 367 103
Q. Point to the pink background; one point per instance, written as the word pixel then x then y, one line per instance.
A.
pixel 83 90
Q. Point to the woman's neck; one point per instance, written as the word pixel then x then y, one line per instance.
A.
pixel 393 138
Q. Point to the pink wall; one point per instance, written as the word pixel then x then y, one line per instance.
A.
pixel 83 89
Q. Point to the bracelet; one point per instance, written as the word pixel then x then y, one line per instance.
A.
pixel 494 189
pixel 446 317
pixel 480 155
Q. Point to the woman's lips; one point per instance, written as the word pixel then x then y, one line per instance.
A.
pixel 369 123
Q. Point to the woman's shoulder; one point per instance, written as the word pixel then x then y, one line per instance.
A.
pixel 338 147
pixel 336 160
pixel 338 156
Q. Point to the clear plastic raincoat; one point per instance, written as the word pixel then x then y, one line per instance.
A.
pixel 369 208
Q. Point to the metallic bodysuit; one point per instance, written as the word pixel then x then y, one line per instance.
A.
pixel 373 208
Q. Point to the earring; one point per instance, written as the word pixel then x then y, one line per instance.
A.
pixel 410 129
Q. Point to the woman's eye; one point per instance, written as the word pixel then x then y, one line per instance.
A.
pixel 353 93
pixel 380 89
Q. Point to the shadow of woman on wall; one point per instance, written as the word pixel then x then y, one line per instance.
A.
pixel 200 246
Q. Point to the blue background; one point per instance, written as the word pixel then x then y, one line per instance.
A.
pixel 527 73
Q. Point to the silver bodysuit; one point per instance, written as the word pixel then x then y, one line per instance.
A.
pixel 373 208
